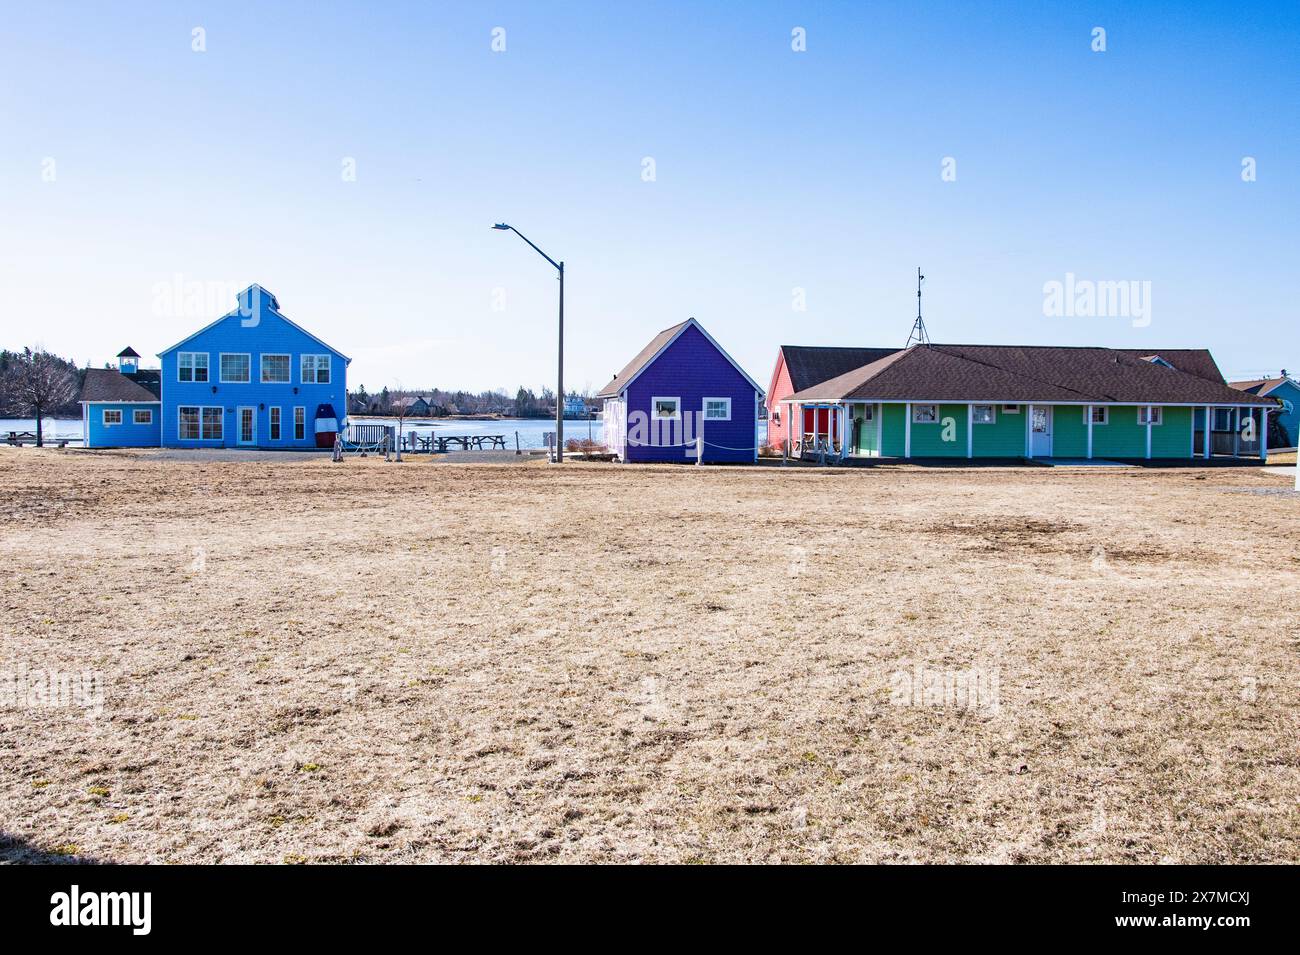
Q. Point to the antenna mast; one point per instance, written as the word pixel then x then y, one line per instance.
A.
pixel 918 333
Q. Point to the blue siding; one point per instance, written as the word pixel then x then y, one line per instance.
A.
pixel 128 434
pixel 691 369
pixel 256 329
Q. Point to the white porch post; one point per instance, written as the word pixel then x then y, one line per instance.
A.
pixel 1088 411
pixel 970 431
pixel 907 429
pixel 1029 431
pixel 1236 433
pixel 1148 432
pixel 1263 436
pixel 844 431
pixel 1209 415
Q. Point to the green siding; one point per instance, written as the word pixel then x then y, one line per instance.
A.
pixel 1069 431
pixel 1120 437
pixel 868 433
pixel 1004 438
pixel 1173 438
pixel 893 438
pixel 927 439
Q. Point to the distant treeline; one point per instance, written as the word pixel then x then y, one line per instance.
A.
pixel 37 382
pixel 435 402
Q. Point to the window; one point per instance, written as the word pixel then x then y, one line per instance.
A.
pixel 235 369
pixel 1156 416
pixel 112 416
pixel 275 424
pixel 212 424
pixel 299 424
pixel 1223 419
pixel 1011 409
pixel 984 414
pixel 925 414
pixel 189 424
pixel 1100 415
pixel 192 366
pixel 665 409
pixel 717 409
pixel 142 416
pixel 275 369
pixel 868 412
pixel 315 369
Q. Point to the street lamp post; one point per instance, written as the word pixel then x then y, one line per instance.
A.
pixel 559 375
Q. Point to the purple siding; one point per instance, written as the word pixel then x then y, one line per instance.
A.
pixel 691 369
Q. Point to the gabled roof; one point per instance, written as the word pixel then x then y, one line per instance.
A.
pixel 659 344
pixel 1262 386
pixel 1022 373
pixel 809 365
pixel 128 352
pixel 269 302
pixel 108 384
pixel 1194 361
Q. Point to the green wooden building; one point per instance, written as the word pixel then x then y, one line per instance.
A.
pixel 1005 401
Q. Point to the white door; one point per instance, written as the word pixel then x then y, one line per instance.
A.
pixel 247 425
pixel 1041 431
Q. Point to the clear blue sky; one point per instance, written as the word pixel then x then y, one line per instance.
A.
pixel 775 170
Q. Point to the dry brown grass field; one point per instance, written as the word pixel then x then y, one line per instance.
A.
pixel 374 662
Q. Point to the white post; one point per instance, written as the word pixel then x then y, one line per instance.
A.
pixel 844 430
pixel 1236 433
pixel 699 445
pixel 970 431
pixel 1263 436
pixel 1148 432
pixel 1205 436
pixel 1029 431
pixel 1089 412
pixel 907 429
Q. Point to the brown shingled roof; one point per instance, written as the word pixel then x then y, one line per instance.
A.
pixel 1023 373
pixel 810 365
pixel 1194 361
pixel 107 384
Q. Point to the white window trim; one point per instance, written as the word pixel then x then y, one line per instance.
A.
pixel 221 418
pixel 1010 409
pixel 103 417
pixel 1157 411
pixel 329 369
pixel 221 368
pixel 180 363
pixel 1105 415
pixel 296 409
pixel 916 411
pixel 654 401
pixel 993 408
pixel 704 407
pixel 147 412
pixel 261 368
pixel 274 423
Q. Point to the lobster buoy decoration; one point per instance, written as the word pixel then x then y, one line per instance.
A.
pixel 327 426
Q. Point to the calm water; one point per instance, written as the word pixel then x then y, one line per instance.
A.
pixel 50 427
pixel 530 429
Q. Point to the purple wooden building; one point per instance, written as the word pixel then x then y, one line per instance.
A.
pixel 680 387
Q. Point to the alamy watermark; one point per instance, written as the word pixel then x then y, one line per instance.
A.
pixel 975 689
pixel 52 689
pixel 1085 298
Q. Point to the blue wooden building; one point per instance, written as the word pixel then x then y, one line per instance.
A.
pixel 251 379
pixel 682 386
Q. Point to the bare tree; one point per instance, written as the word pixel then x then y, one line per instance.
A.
pixel 38 383
pixel 401 407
